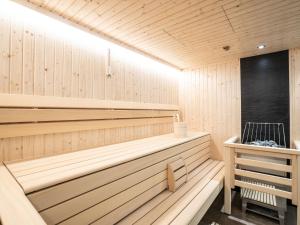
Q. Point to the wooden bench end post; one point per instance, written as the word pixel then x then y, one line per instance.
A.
pixel 228 179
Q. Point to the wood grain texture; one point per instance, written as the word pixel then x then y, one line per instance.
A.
pixel 34 62
pixel 254 179
pixel 294 94
pixel 130 176
pixel 170 30
pixel 15 207
pixel 210 101
pixel 40 173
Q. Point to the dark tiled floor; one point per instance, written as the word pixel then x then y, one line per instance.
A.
pixel 214 214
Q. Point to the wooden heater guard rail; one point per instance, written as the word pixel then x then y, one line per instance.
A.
pixel 25 115
pixel 232 149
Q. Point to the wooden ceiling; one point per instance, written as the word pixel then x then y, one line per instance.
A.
pixel 188 33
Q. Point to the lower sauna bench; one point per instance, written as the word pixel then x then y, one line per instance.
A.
pixel 124 183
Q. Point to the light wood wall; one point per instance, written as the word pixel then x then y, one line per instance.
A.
pixel 36 62
pixel 295 93
pixel 210 100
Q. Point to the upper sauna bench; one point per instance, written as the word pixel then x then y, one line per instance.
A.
pixel 41 173
pixel 123 183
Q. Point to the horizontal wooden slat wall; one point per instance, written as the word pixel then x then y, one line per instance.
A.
pixel 210 101
pixel 36 62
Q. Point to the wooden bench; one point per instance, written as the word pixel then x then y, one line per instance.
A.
pixel 123 183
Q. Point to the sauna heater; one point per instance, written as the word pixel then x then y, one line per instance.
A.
pixel 264 134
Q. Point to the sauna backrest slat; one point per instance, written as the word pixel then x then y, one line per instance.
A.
pixel 29 129
pixel 21 115
pixel 27 117
pixel 34 101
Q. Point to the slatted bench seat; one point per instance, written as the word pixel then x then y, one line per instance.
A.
pixel 185 206
pixel 124 183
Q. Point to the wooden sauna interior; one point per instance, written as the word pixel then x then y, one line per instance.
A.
pixel 130 111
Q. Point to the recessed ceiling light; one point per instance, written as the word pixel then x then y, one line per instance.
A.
pixel 261 46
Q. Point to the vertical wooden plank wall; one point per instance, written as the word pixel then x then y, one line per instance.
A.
pixel 210 101
pixel 295 94
pixel 36 62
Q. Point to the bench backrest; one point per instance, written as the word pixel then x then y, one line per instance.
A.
pixel 109 195
pixel 36 126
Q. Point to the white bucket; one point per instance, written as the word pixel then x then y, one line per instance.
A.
pixel 180 129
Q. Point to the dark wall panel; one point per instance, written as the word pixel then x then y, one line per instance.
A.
pixel 265 89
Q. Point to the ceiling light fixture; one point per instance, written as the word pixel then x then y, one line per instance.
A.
pixel 261 46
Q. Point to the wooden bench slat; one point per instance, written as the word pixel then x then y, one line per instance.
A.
pixel 123 182
pixel 97 156
pixel 165 205
pixel 130 206
pixel 99 210
pixel 200 160
pixel 168 216
pixel 48 178
pixel 65 158
pixel 195 210
pixel 73 188
pixel 82 202
pixel 142 211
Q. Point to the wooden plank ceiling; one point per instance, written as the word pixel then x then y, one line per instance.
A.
pixel 188 33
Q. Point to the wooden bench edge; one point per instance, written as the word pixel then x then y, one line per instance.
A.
pixel 15 208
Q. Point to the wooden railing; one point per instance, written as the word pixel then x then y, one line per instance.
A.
pixel 239 168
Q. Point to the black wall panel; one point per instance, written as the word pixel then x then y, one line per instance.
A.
pixel 265 89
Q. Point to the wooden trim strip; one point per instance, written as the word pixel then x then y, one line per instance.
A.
pixel 21 115
pixel 294 180
pixel 264 177
pixel 263 153
pixel 272 191
pixel 12 100
pixel 287 151
pixel 18 130
pixel 264 165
